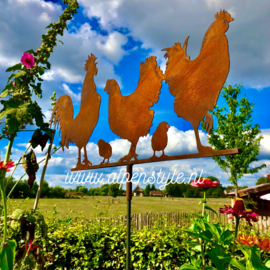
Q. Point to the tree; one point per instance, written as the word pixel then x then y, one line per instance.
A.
pixel 153 187
pixel 105 189
pixel 235 130
pixel 147 190
pixel 82 189
pixel 45 191
pixel 114 189
pixel 262 180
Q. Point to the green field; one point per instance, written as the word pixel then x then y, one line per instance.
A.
pixel 88 205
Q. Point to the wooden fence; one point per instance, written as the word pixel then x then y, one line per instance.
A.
pixel 163 219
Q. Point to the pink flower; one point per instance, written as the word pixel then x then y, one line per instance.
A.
pixel 205 183
pixel 238 210
pixel 13 84
pixel 28 60
pixel 6 166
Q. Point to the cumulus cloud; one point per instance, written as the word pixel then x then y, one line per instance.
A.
pixel 160 24
pixel 71 93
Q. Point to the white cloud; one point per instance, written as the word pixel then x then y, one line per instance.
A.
pixel 7 62
pixel 70 93
pixel 159 25
pixel 105 10
pixel 48 76
pixel 45 17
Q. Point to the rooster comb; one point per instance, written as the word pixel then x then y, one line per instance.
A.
pixel 222 14
pixel 91 60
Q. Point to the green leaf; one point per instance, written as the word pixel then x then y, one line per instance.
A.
pixel 3 260
pixel 209 208
pixel 188 266
pixel 49 26
pixel 7 111
pixel 267 264
pixel 4 93
pixel 15 67
pixel 19 74
pixel 41 70
pixel 202 201
pixel 32 52
pixel 60 41
pixel 213 256
pixel 7 255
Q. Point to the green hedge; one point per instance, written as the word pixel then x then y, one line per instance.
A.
pixel 82 245
pixel 78 244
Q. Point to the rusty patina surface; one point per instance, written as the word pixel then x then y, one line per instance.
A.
pixel 130 117
pixel 79 129
pixel 195 84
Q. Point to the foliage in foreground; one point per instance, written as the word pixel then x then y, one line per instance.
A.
pixel 77 244
pixel 81 244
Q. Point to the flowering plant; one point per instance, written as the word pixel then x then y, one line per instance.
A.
pixel 205 183
pixel 28 60
pixel 239 211
pixel 30 246
pixel 6 166
pixel 250 240
pixel 19 109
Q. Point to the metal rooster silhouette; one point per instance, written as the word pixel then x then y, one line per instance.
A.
pixel 196 84
pixel 80 129
pixel 130 116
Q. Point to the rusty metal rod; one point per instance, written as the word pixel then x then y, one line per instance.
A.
pixel 128 197
pixel 233 151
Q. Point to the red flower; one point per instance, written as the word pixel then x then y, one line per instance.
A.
pixel 7 165
pixel 238 210
pixel 204 183
pixel 30 247
pixel 28 60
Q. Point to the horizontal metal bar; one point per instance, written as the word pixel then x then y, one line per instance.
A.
pixel 233 151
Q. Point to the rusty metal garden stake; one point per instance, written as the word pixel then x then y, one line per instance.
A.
pixel 128 197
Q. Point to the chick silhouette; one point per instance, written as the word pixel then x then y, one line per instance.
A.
pixel 105 151
pixel 160 139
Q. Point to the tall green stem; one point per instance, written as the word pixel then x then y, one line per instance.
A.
pixel 236 226
pixel 203 254
pixel 204 202
pixel 3 193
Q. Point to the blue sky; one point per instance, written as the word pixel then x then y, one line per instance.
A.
pixel 122 34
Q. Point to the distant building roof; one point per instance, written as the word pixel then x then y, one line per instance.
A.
pixel 137 189
pixel 250 190
pixel 156 192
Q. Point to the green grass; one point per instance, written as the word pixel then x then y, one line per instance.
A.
pixel 87 205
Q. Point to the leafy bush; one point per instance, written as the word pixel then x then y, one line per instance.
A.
pixel 80 244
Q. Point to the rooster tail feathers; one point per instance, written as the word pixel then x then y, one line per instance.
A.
pixel 150 80
pixel 63 111
pixel 185 48
pixel 150 66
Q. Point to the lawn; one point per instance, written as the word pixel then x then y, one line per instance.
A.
pixel 90 207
